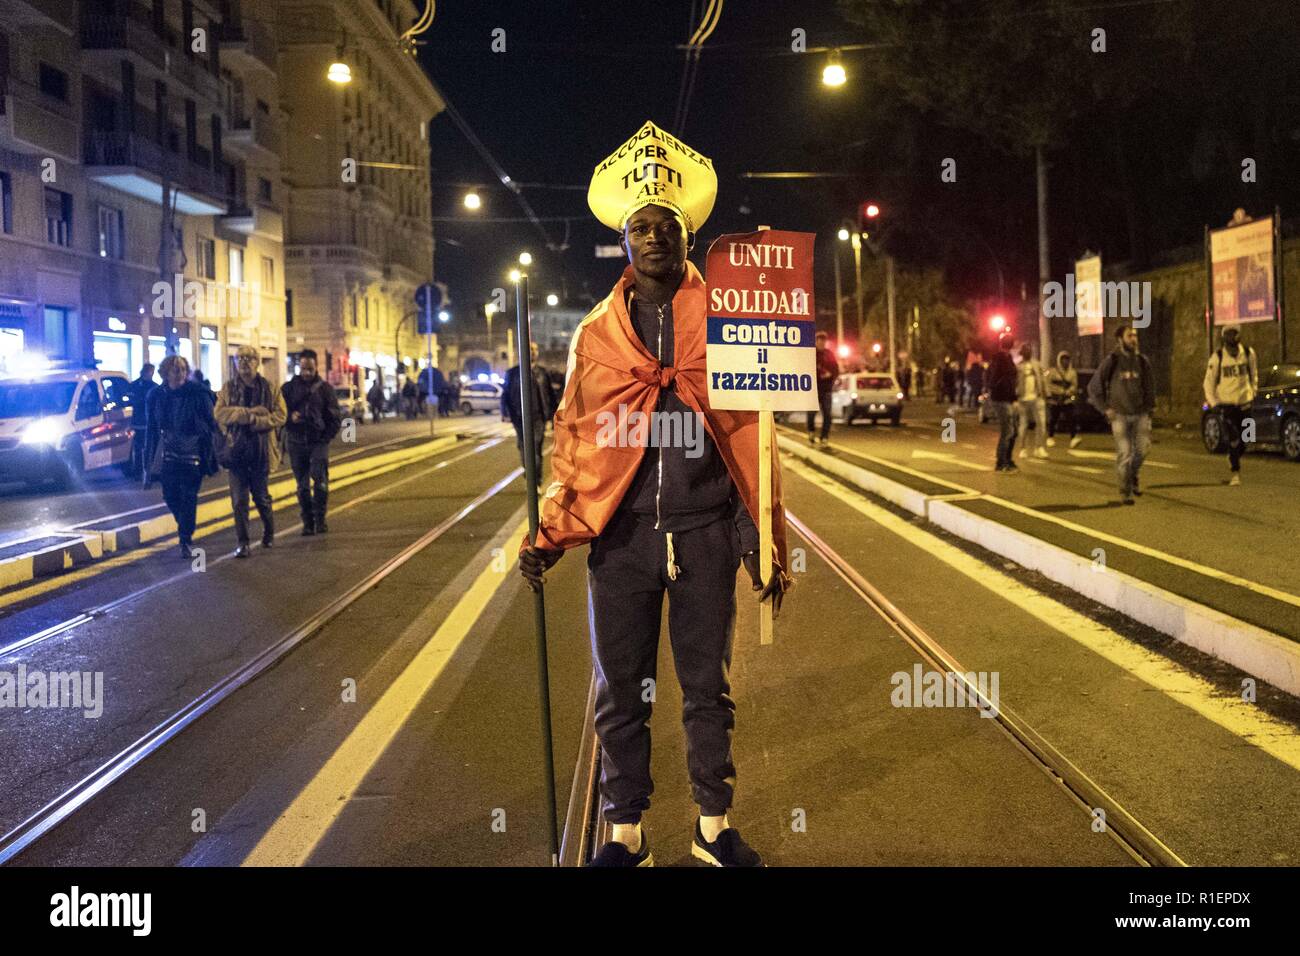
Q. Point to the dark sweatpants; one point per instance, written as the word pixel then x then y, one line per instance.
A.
pixel 823 403
pixel 627 576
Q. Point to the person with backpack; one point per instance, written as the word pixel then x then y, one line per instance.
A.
pixel 314 420
pixel 1062 392
pixel 1231 381
pixel 250 412
pixel 1124 391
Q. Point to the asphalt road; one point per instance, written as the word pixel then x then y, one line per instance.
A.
pixel 435 756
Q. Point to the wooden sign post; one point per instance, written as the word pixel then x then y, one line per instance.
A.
pixel 761 351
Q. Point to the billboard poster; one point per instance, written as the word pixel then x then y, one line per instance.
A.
pixel 1242 280
pixel 1088 311
pixel 761 351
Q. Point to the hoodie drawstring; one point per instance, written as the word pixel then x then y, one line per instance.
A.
pixel 673 569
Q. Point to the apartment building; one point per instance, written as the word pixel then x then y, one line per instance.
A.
pixel 138 146
pixel 358 239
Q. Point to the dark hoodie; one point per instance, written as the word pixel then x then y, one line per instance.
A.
pixel 180 427
pixel 1124 384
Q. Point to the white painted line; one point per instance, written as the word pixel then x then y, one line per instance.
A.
pixel 948 458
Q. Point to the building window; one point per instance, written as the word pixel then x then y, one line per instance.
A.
pixel 58 217
pixel 236 265
pixel 6 203
pixel 110 233
pixel 288 308
pixel 264 189
pixel 54 82
pixel 354 310
pixel 57 332
pixel 268 275
pixel 207 257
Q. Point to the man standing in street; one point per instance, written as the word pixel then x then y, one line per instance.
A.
pixel 1031 393
pixel 675 519
pixel 512 398
pixel 828 367
pixel 139 391
pixel 1124 390
pixel 1002 397
pixel 1231 380
pixel 1062 393
pixel 250 413
pixel 314 420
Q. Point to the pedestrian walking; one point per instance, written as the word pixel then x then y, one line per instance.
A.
pixel 409 399
pixel 828 368
pixel 1124 390
pixel 314 418
pixel 975 383
pixel 512 397
pixel 139 391
pixel 1031 396
pixel 1002 382
pixel 375 399
pixel 250 413
pixel 672 520
pixel 1231 381
pixel 178 445
pixel 1062 393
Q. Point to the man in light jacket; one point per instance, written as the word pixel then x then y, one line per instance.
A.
pixel 1062 392
pixel 1031 394
pixel 1231 380
pixel 250 412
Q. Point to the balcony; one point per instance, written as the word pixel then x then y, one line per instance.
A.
pixel 261 219
pixel 124 33
pixel 248 46
pixel 334 257
pixel 256 138
pixel 135 165
pixel 193 74
pixel 59 15
pixel 31 122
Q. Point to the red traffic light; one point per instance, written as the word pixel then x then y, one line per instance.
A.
pixel 871 211
pixel 997 323
pixel 875 348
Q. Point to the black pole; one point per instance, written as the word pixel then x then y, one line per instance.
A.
pixel 523 337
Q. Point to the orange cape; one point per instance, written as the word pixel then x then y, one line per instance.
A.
pixel 608 367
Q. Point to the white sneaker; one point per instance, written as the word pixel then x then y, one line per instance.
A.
pixel 1076 441
pixel 1024 453
pixel 1051 443
pixel 1235 479
pixel 1040 452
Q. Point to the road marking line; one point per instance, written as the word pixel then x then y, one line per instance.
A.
pixel 1255 727
pixel 297 832
pixel 948 458
pixel 1110 457
pixel 1086 470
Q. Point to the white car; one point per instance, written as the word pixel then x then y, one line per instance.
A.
pixel 57 425
pixel 873 395
pixel 352 404
pixel 480 397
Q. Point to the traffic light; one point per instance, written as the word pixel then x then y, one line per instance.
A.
pixel 997 323
pixel 867 211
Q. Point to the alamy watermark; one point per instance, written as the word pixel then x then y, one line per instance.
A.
pixel 637 429
pixel 1118 300
pixel 78 690
pixel 920 688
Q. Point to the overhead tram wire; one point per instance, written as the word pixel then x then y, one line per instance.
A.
pixel 694 48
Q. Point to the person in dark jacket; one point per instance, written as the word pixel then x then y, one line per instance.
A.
pixel 139 391
pixel 314 419
pixel 178 444
pixel 828 368
pixel 512 397
pixel 375 397
pixel 975 383
pixel 410 399
pixel 1124 390
pixel 1002 378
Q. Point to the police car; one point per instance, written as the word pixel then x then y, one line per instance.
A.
pixel 57 425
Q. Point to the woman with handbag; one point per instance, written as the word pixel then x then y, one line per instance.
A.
pixel 178 446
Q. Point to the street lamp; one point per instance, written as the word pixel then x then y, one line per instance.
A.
pixel 472 200
pixel 444 316
pixel 552 300
pixel 833 72
pixel 515 275
pixel 339 73
pixel 843 234
pixel 525 258
pixel 489 310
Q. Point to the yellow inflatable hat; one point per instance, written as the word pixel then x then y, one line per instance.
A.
pixel 653 168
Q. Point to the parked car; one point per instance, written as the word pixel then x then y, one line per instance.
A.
pixel 873 395
pixel 480 397
pixel 1275 411
pixel 352 404
pixel 60 424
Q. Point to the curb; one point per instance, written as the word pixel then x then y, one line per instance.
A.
pixel 1263 654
